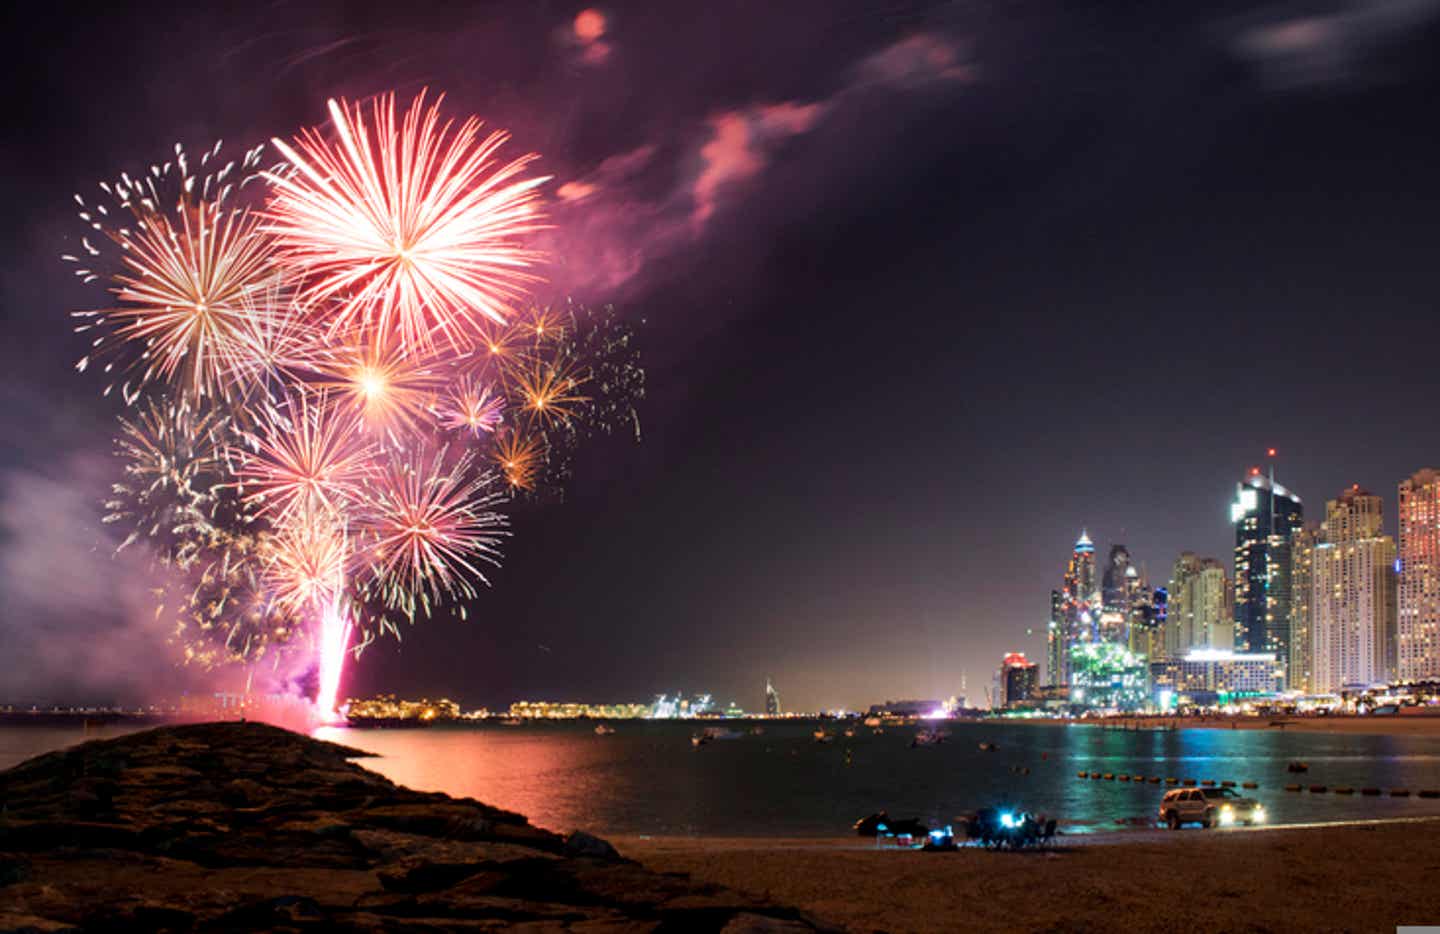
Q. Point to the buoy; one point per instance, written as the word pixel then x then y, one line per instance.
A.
pixel 1155 780
pixel 1124 778
pixel 1094 776
pixel 1344 790
pixel 1429 793
pixel 1372 792
pixel 1227 784
pixel 1399 792
pixel 1318 789
pixel 1138 779
pixel 1292 787
pixel 1083 774
pixel 1109 776
pixel 1209 783
pixel 1249 785
pixel 1189 783
pixel 1172 781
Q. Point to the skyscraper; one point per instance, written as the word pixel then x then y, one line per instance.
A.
pixel 1076 616
pixel 1352 606
pixel 772 700
pixel 1265 514
pixel 1114 590
pixel 1199 610
pixel 1018 679
pixel 1302 582
pixel 1418 636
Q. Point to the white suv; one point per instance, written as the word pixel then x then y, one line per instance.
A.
pixel 1208 807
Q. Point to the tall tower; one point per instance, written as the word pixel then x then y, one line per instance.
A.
pixel 1352 607
pixel 1078 611
pixel 1056 640
pixel 1265 515
pixel 772 700
pixel 1418 643
pixel 1302 578
pixel 1114 592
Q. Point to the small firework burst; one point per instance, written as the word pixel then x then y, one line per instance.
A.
pixel 550 391
pixel 386 388
pixel 473 407
pixel 519 458
pixel 306 569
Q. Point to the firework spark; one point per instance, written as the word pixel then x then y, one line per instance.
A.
pixel 387 388
pixel 518 457
pixel 404 226
pixel 473 407
pixel 549 391
pixel 306 569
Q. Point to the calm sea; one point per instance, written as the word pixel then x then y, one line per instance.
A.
pixel 648 779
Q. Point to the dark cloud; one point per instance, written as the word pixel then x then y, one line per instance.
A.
pixel 1317 45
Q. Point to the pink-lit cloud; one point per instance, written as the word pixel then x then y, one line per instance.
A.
pixel 611 222
pixel 588 33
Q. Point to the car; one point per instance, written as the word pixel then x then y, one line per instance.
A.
pixel 1209 807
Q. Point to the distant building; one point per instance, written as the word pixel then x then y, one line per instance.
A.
pixel 1076 617
pixel 1418 635
pixel 1019 679
pixel 772 700
pixel 1207 676
pixel 1352 607
pixel 1300 672
pixel 1115 590
pixel 907 708
pixel 1265 515
pixel 1199 612
pixel 1106 676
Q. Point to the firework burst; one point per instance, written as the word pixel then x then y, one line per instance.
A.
pixel 432 526
pixel 409 226
pixel 387 389
pixel 473 407
pixel 307 459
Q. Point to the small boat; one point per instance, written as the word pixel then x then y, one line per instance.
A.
pixel 872 721
pixel 699 739
pixel 757 731
pixel 716 732
pixel 604 729
pixel 849 732
pixel 1297 766
pixel 821 736
pixel 988 747
pixel 927 738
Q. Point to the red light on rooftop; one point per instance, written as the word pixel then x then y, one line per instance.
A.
pixel 1270 453
pixel 1254 471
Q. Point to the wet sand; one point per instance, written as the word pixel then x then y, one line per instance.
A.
pixel 1355 877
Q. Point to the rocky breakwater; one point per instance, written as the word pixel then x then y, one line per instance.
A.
pixel 243 826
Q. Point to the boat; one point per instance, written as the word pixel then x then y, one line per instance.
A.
pixel 698 740
pixel 1297 766
pixel 849 732
pixel 822 736
pixel 926 738
pixel 604 729
pixel 988 747
pixel 757 731
pixel 872 721
pixel 717 732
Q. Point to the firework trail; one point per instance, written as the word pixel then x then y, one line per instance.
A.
pixel 338 378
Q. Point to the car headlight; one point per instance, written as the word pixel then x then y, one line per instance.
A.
pixel 1227 815
pixel 1259 813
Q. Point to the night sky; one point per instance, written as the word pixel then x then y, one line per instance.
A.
pixel 925 289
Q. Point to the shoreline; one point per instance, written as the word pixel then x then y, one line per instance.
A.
pixel 1414 725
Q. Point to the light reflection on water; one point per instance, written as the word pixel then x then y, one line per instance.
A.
pixel 648 779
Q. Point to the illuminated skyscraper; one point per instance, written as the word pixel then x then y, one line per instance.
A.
pixel 1018 679
pixel 1114 583
pixel 1199 610
pixel 1076 618
pixel 772 700
pixel 1265 515
pixel 1302 578
pixel 1418 646
pixel 1352 606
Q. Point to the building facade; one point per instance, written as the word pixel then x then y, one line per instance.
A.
pixel 1300 670
pixel 1353 603
pixel 1205 676
pixel 1075 616
pixel 1199 614
pixel 1418 628
pixel 1019 679
pixel 1265 516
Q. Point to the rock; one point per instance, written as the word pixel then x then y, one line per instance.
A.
pixel 13 869
pixel 242 826
pixel 580 843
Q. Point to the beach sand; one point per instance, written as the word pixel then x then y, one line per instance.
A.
pixel 1367 877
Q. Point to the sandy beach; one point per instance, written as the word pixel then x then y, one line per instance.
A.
pixel 1366 877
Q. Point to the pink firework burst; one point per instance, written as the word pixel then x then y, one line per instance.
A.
pixel 475 408
pixel 409 226
pixel 307 459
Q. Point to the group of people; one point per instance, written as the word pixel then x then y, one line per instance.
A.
pixel 1008 827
